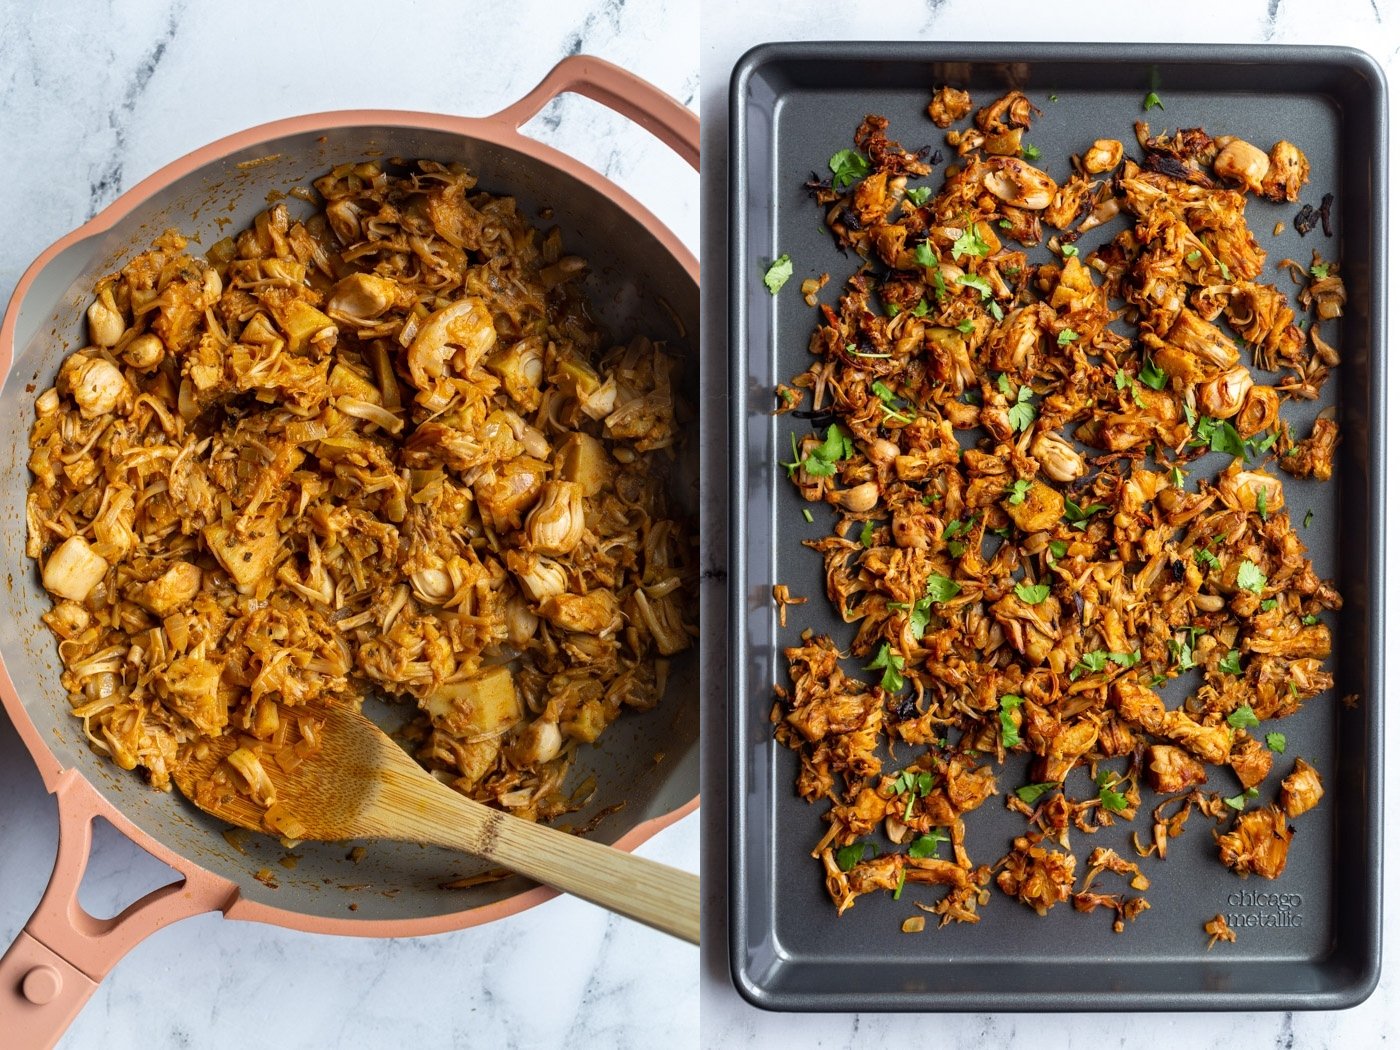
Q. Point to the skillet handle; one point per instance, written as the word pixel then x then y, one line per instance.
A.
pixel 623 93
pixel 62 953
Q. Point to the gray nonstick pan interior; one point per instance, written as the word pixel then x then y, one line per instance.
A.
pixel 1310 939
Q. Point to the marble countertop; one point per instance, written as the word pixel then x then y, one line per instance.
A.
pixel 95 96
pixel 734 26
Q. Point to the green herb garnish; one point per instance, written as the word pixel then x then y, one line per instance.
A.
pixel 1030 793
pixel 1238 801
pixel 1230 663
pixel 1250 577
pixel 847 857
pixel 1079 516
pixel 848 166
pixel 970 280
pixel 777 274
pixel 970 242
pixel 891 664
pixel 1113 801
pixel 1152 376
pixel 1022 413
pixel 1276 741
pixel 941 589
pixel 1032 593
pixel 927 845
pixel 1009 735
pixel 1016 494
pixel 1243 717
pixel 919 195
pixel 1152 99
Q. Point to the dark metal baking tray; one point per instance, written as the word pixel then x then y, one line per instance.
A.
pixel 1316 945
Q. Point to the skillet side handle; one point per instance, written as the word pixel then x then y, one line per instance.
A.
pixel 62 953
pixel 623 93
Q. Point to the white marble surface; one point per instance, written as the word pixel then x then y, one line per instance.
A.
pixel 94 96
pixel 732 27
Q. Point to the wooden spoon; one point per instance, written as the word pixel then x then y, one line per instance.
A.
pixel 360 784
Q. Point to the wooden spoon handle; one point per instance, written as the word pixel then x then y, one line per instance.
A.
pixel 663 897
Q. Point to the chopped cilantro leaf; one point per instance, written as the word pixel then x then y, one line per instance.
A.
pixel 1194 257
pixel 1004 385
pixel 966 325
pixel 1230 663
pixel 1238 801
pixel 1249 577
pixel 1113 801
pixel 1030 152
pixel 1066 337
pixel 777 274
pixel 1005 224
pixel 1069 251
pixel 1090 663
pixel 1261 504
pixel 1032 593
pixel 1205 557
pixel 971 280
pixel 1152 99
pixel 1309 620
pixel 1319 271
pixel 891 664
pixel 1022 414
pixel 1016 494
pixel 1152 376
pixel 1268 605
pixel 847 857
pixel 1058 549
pixel 847 166
pixel 927 845
pixel 867 534
pixel 1079 516
pixel 923 255
pixel 942 589
pixel 821 461
pixel 1276 741
pixel 970 242
pixel 956 528
pixel 1009 735
pixel 1120 379
pixel 1243 717
pixel 1030 793
pixel 920 308
pixel 919 195
pixel 1177 477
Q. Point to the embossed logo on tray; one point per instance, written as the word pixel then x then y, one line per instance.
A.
pixel 1261 908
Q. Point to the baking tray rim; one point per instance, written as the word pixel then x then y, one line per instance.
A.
pixel 1360 984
